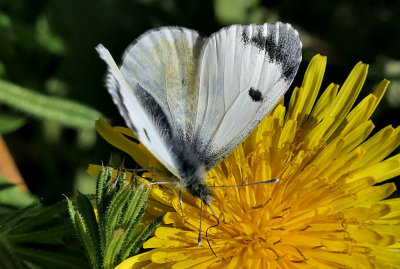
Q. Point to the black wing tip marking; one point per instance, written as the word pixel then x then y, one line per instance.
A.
pixel 281 44
pixel 255 95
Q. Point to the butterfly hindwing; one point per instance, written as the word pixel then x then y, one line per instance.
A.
pixel 244 71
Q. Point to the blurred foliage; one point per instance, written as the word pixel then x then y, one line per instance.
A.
pixel 33 235
pixel 12 198
pixel 48 47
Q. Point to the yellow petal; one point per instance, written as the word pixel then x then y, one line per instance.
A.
pixel 136 262
pixel 347 95
pixel 311 83
pixel 137 151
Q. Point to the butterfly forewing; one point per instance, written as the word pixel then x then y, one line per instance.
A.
pixel 142 114
pixel 244 71
pixel 164 62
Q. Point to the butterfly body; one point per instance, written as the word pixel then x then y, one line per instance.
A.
pixel 191 100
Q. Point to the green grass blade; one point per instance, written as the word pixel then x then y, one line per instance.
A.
pixel 10 123
pixel 68 113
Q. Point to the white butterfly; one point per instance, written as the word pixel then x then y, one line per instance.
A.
pixel 191 99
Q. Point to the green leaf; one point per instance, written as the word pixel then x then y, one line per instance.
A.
pixel 113 248
pixel 87 212
pixel 135 203
pixel 7 258
pixel 114 212
pixel 42 235
pixel 10 221
pixel 42 216
pixel 103 178
pixel 132 235
pixel 15 196
pixel 68 113
pixel 83 234
pixel 5 186
pixel 10 123
pixel 147 232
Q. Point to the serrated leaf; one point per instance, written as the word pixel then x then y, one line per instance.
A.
pixel 104 176
pixel 113 248
pixel 71 210
pixel 114 212
pixel 87 213
pixel 132 235
pixel 90 248
pixel 121 180
pixel 134 205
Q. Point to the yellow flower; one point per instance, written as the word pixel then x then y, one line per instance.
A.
pixel 327 210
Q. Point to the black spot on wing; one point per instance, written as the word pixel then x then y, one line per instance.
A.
pixel 255 95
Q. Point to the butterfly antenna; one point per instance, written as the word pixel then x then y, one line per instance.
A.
pixel 216 218
pixel 246 185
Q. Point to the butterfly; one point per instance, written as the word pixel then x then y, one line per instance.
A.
pixel 191 100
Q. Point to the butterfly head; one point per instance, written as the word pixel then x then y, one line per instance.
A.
pixel 194 184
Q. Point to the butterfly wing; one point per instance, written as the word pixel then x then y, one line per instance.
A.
pixel 143 115
pixel 165 63
pixel 244 71
pixel 156 93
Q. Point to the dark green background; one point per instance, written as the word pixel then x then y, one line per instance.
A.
pixel 48 46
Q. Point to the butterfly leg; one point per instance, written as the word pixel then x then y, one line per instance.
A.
pixel 181 205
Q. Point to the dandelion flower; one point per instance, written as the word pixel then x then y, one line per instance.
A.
pixel 327 210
